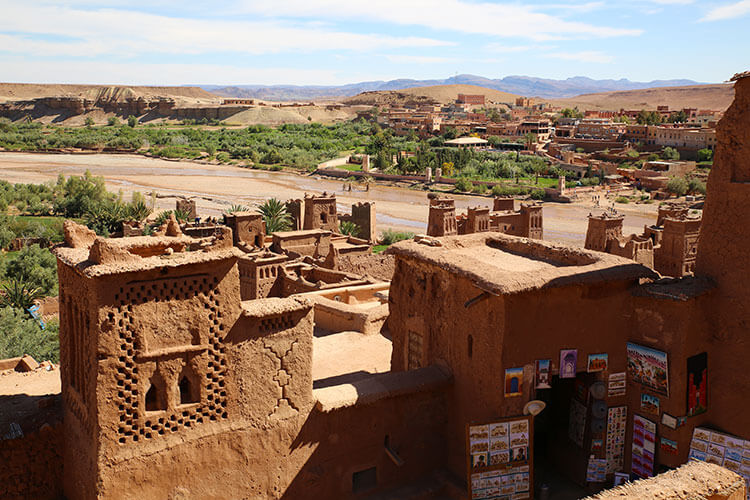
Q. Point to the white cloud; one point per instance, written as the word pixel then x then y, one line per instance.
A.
pixel 673 2
pixel 511 49
pixel 586 56
pixel 502 20
pixel 128 33
pixel 407 59
pixel 730 11
pixel 110 73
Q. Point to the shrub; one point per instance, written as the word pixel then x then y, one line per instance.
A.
pixel 112 121
pixel 670 154
pixel 501 190
pixel 272 157
pixel 622 199
pixel 222 157
pixel 705 154
pixel 479 188
pixel 132 121
pixel 389 236
pixel 696 186
pixel 677 186
pixel 464 185
pixel 35 267
pixel 21 335
pixel 538 194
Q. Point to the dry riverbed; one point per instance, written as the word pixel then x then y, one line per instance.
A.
pixel 215 187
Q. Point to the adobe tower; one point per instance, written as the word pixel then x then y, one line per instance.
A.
pixel 723 257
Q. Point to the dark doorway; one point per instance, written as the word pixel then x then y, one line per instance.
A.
pixel 559 463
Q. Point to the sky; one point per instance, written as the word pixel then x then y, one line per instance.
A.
pixel 333 42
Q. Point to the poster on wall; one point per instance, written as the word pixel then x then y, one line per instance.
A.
pixel 649 404
pixel 500 461
pixel 729 451
pixel 568 363
pixel 697 391
pixel 616 384
pixel 542 374
pixel 513 382
pixel 596 472
pixel 597 363
pixel 617 419
pixel 668 446
pixel 644 447
pixel 648 367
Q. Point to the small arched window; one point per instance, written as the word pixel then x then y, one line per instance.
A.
pixel 152 399
pixel 188 390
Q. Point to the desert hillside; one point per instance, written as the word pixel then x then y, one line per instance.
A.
pixel 27 91
pixel 441 94
pixel 715 96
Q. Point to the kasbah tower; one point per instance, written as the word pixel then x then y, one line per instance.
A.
pixel 724 257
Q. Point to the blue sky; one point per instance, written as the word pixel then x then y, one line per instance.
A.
pixel 328 42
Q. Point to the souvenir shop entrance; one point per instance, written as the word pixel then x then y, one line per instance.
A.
pixel 560 455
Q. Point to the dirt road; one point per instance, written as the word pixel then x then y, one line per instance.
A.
pixel 215 187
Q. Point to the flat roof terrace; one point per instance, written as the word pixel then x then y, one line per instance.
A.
pixel 503 264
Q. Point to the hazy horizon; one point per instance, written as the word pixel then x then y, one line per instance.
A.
pixel 335 42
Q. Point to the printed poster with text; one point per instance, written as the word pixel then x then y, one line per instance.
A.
pixel 644 447
pixel 500 459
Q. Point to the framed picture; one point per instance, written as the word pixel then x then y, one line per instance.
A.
pixel 597 363
pixel 513 382
pixel 542 374
pixel 649 368
pixel 568 363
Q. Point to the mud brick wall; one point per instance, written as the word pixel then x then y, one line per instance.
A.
pixel 31 466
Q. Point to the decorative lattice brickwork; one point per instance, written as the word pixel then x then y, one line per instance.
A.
pixel 135 422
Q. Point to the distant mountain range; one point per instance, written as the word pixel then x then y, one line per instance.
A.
pixel 521 85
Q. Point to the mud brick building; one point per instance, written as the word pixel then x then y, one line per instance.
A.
pixel 187 372
pixel 670 246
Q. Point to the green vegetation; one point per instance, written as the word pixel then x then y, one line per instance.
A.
pixel 670 154
pixel 648 118
pixel 389 237
pixel 705 155
pixel 349 228
pixel 303 146
pixel 464 185
pixel 571 113
pixel 622 199
pixel 696 186
pixel 34 266
pixel 19 335
pixel 678 186
pixel 275 216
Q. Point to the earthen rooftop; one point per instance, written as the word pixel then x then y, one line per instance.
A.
pixel 503 264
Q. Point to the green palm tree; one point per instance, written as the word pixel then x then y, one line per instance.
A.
pixel 275 216
pixel 19 295
pixel 349 228
pixel 237 208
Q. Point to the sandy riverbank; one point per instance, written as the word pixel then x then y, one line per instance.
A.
pixel 215 187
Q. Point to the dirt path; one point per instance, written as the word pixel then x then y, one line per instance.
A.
pixel 215 187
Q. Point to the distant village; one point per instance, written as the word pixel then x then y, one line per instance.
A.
pixel 582 142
